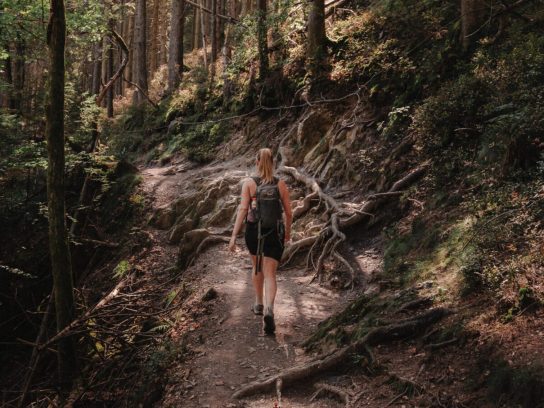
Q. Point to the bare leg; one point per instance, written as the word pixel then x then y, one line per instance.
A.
pixel 269 270
pixel 258 282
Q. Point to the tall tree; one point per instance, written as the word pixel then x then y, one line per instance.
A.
pixel 140 54
pixel 109 73
pixel 6 97
pixel 155 40
pixel 130 38
pixel 175 47
pixel 203 32
pixel 196 28
pixel 316 46
pixel 262 39
pixel 19 73
pixel 471 20
pixel 97 68
pixel 58 238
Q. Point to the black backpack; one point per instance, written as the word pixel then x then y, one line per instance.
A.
pixel 266 206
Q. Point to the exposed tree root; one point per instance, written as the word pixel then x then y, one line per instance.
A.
pixel 371 205
pixel 292 249
pixel 312 184
pixel 301 209
pixel 331 235
pixel 343 394
pixel 379 335
pixel 213 239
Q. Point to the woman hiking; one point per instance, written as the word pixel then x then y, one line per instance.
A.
pixel 266 210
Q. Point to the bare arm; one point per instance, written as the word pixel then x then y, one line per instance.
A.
pixel 241 214
pixel 286 201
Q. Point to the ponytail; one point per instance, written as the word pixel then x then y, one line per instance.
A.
pixel 265 166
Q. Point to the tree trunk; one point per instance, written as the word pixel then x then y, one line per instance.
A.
pixel 262 40
pixel 130 36
pixel 140 54
pixel 6 97
pixel 18 74
pixel 109 74
pixel 213 38
pixel 163 36
pixel 104 67
pixel 175 47
pixel 471 20
pixel 58 239
pixel 203 32
pixel 197 27
pixel 155 40
pixel 227 53
pixel 315 51
pixel 121 30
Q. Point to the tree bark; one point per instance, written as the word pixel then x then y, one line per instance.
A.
pixel 18 74
pixel 164 20
pixel 315 51
pixel 97 69
pixel 203 32
pixel 197 41
pixel 109 73
pixel 58 238
pixel 262 39
pixel 140 52
pixel 6 97
pixel 120 29
pixel 155 41
pixel 471 20
pixel 214 30
pixel 130 39
pixel 175 48
pixel 226 54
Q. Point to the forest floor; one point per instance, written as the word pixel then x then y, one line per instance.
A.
pixel 227 346
pixel 223 346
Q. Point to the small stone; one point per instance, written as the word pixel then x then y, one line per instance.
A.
pixel 209 295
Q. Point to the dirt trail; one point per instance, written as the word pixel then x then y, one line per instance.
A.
pixel 227 348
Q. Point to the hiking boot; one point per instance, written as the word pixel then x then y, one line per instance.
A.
pixel 257 309
pixel 269 324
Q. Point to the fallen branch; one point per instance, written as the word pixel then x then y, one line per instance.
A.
pixel 228 19
pixel 100 243
pixel 331 8
pixel 119 72
pixel 436 346
pixel 68 329
pixel 142 91
pixel 377 336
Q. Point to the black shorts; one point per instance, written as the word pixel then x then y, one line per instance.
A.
pixel 273 241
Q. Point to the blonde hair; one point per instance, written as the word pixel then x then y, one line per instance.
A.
pixel 265 166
